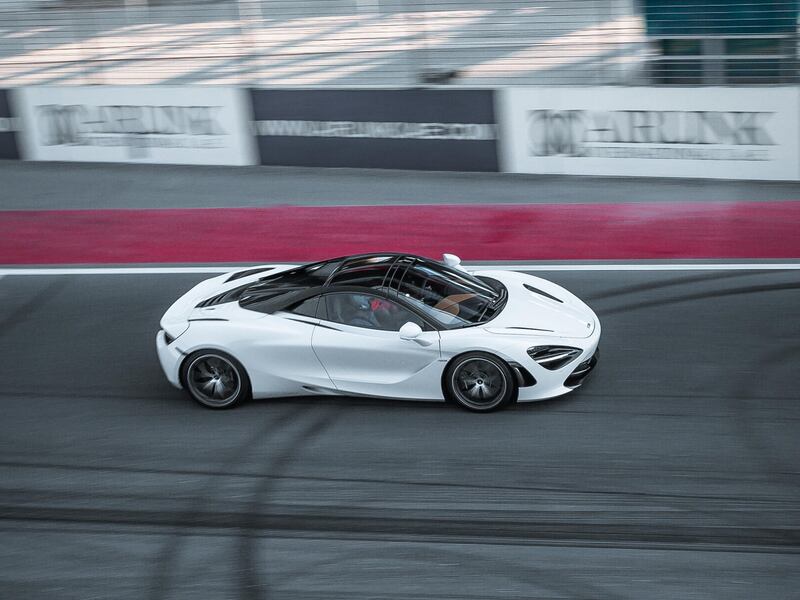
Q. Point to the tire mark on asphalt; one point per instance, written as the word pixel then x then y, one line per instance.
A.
pixel 754 289
pixel 390 523
pixel 738 398
pixel 167 558
pixel 563 585
pixel 94 527
pixel 673 282
pixel 389 482
pixel 250 583
pixel 781 471
pixel 37 301
pixel 784 473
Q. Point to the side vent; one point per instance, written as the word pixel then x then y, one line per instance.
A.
pixel 524 377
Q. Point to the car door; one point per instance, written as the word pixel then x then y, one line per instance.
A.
pixel 280 359
pixel 358 343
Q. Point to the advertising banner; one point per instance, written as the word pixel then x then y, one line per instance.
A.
pixel 9 126
pixel 201 125
pixel 449 130
pixel 715 132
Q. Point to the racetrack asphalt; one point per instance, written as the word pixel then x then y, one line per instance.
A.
pixel 673 473
pixel 72 186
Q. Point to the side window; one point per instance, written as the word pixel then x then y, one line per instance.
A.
pixel 307 307
pixel 368 311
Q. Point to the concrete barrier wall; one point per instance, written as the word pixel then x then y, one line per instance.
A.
pixel 704 132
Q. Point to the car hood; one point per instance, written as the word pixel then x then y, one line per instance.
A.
pixel 536 306
pixel 185 307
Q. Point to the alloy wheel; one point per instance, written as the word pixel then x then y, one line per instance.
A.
pixel 479 383
pixel 213 380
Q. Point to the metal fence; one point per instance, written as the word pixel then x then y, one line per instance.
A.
pixel 397 42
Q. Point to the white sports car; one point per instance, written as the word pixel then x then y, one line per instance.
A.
pixel 387 325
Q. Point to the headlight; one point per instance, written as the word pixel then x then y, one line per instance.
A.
pixel 554 357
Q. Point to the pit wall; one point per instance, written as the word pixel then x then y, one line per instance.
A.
pixel 706 132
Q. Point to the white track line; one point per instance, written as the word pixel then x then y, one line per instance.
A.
pixel 500 267
pixel 116 270
pixel 647 267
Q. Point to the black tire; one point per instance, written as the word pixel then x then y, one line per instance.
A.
pixel 479 382
pixel 229 381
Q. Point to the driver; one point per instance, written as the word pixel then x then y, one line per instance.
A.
pixel 363 315
pixel 373 312
pixel 386 313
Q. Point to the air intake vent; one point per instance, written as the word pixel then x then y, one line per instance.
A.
pixel 535 290
pixel 224 297
pixel 553 357
pixel 247 273
pixel 581 372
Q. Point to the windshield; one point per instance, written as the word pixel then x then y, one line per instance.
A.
pixel 450 297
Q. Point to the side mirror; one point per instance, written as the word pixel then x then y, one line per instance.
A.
pixel 410 331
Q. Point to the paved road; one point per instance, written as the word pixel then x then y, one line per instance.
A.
pixel 39 186
pixel 672 474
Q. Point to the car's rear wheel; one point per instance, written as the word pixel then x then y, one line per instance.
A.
pixel 480 382
pixel 215 379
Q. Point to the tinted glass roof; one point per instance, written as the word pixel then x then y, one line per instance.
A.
pixel 375 270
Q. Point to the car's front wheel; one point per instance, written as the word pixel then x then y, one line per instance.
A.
pixel 479 382
pixel 215 379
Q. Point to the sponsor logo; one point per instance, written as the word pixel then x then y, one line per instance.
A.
pixel 376 130
pixel 657 134
pixel 137 127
